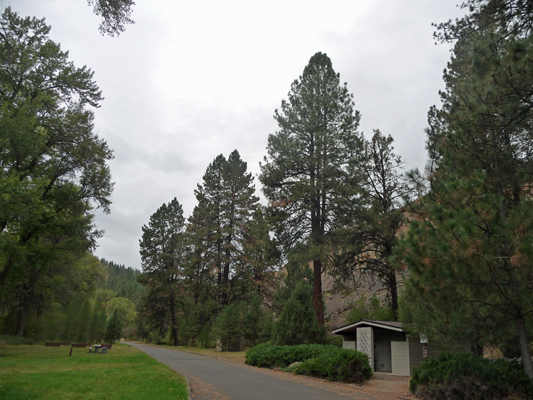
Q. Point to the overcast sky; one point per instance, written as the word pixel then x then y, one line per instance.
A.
pixel 194 79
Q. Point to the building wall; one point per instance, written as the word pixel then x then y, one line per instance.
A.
pixel 382 348
pixel 416 353
pixel 400 358
pixel 349 342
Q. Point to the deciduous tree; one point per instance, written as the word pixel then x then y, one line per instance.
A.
pixel 54 167
pixel 115 14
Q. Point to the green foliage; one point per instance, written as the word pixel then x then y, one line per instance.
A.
pixel 336 341
pixel 306 176
pixel 365 250
pixel 163 249
pixel 14 340
pixel 267 355
pixel 244 321
pixel 114 13
pixel 373 310
pixel 340 365
pixel 225 258
pixel 469 248
pixel 54 174
pixel 467 376
pixel 296 272
pixel 122 281
pixel 228 326
pixel 227 235
pixel 253 323
pixel 84 318
pixel 125 309
pixel 331 362
pixel 113 331
pixel 297 323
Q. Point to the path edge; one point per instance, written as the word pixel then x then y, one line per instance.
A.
pixel 186 378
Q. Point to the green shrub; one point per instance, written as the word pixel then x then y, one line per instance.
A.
pixel 335 341
pixel 330 362
pixel 267 355
pixel 14 340
pixel 297 323
pixel 468 376
pixel 337 364
pixel 372 310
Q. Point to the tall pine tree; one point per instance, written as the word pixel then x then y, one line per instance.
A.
pixel 162 249
pixel 226 205
pixel 470 255
pixel 367 248
pixel 306 173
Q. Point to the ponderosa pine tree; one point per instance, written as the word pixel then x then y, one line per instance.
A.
pixel 261 256
pixel 162 249
pixel 226 205
pixel 367 248
pixel 470 254
pixel 306 173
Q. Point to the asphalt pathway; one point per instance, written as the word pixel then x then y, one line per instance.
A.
pixel 212 379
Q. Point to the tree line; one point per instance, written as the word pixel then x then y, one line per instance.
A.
pixel 337 202
pixel 334 204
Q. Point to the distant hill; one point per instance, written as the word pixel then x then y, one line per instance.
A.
pixel 123 281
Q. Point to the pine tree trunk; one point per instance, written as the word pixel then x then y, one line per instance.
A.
pixel 173 321
pixel 524 345
pixel 317 291
pixel 5 271
pixel 393 287
pixel 21 323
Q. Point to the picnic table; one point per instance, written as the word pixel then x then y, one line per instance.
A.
pixel 94 348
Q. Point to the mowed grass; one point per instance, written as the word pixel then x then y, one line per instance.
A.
pixel 39 372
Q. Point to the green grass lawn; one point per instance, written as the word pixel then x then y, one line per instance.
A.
pixel 39 372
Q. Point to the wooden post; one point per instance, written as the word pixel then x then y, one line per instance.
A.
pixel 70 352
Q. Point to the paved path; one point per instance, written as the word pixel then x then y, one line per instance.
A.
pixel 212 379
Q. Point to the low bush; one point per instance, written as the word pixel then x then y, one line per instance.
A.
pixel 330 362
pixel 468 376
pixel 337 365
pixel 336 341
pixel 14 340
pixel 267 355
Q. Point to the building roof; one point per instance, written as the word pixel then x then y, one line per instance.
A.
pixel 390 325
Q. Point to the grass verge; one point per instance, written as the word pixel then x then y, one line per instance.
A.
pixel 39 372
pixel 235 356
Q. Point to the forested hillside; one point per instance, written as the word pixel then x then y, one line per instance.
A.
pixel 122 280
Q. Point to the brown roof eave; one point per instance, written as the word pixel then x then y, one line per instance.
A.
pixel 390 325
